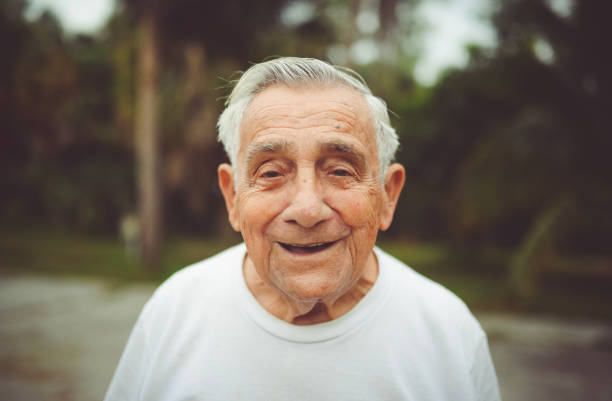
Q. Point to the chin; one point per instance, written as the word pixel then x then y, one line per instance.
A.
pixel 312 290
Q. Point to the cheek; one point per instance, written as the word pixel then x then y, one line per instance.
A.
pixel 257 210
pixel 358 209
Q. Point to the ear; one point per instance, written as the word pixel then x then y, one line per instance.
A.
pixel 225 173
pixel 394 182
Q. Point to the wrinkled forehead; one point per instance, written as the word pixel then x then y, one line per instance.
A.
pixel 339 109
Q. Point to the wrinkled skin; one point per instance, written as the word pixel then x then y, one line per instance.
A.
pixel 308 200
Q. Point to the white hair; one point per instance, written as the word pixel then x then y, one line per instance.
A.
pixel 293 71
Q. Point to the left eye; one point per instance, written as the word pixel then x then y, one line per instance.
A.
pixel 341 173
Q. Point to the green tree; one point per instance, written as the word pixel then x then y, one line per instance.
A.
pixel 521 136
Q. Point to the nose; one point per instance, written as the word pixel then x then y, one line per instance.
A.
pixel 307 207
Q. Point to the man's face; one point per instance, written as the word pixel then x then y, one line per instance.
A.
pixel 308 200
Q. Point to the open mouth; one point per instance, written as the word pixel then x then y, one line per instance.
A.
pixel 307 248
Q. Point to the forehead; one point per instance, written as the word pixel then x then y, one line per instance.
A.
pixel 288 112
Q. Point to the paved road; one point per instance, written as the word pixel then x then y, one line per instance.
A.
pixel 539 358
pixel 61 340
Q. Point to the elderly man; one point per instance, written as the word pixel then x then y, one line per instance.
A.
pixel 307 308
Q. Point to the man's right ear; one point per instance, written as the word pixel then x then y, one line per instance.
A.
pixel 225 173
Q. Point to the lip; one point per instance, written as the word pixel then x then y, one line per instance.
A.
pixel 306 248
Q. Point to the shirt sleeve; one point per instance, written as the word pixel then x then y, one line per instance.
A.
pixel 127 382
pixel 486 387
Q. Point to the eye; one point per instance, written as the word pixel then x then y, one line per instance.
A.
pixel 339 172
pixel 270 171
pixel 270 174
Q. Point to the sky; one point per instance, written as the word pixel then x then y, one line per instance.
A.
pixel 75 15
pixel 451 24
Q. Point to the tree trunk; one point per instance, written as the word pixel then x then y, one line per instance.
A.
pixel 386 38
pixel 147 144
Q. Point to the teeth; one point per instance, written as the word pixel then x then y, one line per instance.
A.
pixel 306 248
pixel 308 245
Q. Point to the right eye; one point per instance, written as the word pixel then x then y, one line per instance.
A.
pixel 270 174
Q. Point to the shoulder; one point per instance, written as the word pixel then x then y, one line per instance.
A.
pixel 201 283
pixel 434 319
pixel 202 271
pixel 425 301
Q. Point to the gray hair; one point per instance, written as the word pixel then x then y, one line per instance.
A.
pixel 293 71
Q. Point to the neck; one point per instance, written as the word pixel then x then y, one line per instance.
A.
pixel 308 312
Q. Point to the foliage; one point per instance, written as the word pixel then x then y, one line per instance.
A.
pixel 509 136
pixel 512 150
pixel 490 151
pixel 65 164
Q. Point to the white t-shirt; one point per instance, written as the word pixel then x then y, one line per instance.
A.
pixel 203 336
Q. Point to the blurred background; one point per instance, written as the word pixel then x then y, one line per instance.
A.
pixel 108 148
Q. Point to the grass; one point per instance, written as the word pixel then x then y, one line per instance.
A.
pixel 47 252
pixel 479 277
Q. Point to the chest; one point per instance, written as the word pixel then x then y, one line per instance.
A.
pixel 245 362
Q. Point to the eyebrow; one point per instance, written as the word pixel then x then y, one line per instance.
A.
pixel 257 149
pixel 344 148
pixel 278 146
